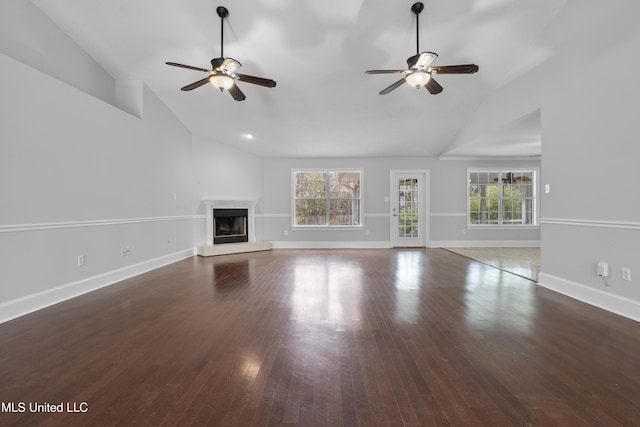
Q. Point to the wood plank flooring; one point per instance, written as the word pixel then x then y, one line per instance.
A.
pixel 396 337
pixel 524 262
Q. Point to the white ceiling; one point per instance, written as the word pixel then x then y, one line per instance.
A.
pixel 323 104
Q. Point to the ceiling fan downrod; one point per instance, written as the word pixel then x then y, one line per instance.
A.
pixel 223 12
pixel 417 8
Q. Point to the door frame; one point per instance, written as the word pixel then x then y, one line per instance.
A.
pixel 425 193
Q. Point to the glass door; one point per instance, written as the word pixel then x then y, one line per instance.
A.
pixel 408 209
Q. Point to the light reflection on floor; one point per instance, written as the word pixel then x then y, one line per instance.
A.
pixel 491 293
pixel 328 283
pixel 409 278
pixel 329 297
pixel 336 288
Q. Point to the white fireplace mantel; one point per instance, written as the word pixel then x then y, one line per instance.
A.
pixel 250 205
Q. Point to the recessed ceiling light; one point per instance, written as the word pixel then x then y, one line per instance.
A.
pixel 248 135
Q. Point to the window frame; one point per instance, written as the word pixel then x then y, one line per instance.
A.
pixel 327 199
pixel 502 171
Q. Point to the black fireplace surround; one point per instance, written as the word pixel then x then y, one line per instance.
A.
pixel 230 226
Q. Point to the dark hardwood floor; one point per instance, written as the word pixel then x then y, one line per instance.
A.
pixel 323 338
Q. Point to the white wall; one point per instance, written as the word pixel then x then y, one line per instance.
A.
pixel 447 203
pixel 591 149
pixel 587 94
pixel 81 177
pixel 29 36
pixel 222 172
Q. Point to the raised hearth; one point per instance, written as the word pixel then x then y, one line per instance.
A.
pixel 233 248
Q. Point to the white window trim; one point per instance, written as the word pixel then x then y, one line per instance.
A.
pixel 536 192
pixel 326 227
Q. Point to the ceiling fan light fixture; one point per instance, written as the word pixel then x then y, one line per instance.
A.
pixel 221 81
pixel 419 72
pixel 417 78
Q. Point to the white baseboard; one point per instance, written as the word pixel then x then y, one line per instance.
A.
pixel 605 300
pixel 331 245
pixel 27 304
pixel 386 244
pixel 484 244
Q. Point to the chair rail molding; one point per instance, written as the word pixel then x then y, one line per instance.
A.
pixel 88 223
pixel 626 225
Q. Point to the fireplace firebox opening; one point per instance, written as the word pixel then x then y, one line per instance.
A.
pixel 230 226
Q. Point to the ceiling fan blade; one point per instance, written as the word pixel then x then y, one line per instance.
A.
pixel 189 67
pixel 236 93
pixel 455 69
pixel 256 80
pixel 433 86
pixel 384 71
pixel 392 87
pixel 197 84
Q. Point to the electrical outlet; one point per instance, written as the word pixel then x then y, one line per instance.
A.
pixel 626 274
pixel 80 260
pixel 123 251
pixel 603 269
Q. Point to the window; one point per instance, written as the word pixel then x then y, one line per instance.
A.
pixel 327 198
pixel 502 197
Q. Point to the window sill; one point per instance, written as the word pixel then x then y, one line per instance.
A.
pixel 326 227
pixel 501 227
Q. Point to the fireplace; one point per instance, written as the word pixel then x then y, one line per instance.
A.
pixel 230 221
pixel 230 226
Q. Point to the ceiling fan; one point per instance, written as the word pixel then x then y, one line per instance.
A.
pixel 511 178
pixel 420 72
pixel 223 73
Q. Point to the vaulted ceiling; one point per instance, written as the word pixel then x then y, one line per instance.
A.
pixel 317 51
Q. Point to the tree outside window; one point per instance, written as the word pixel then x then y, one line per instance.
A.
pixel 327 198
pixel 498 197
